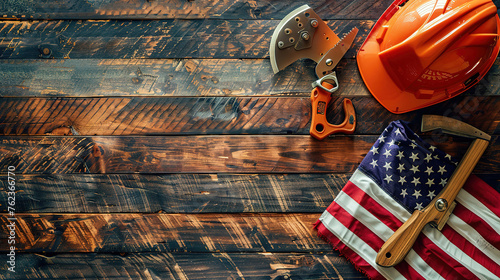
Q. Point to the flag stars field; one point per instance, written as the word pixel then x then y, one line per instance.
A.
pixel 408 168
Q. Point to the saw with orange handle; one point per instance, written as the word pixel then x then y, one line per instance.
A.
pixel 302 34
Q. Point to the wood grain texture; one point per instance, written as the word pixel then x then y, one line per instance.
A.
pixel 147 266
pixel 183 77
pixel 216 115
pixel 206 154
pixel 150 39
pixel 166 77
pixel 175 193
pixel 139 232
pixel 168 9
pixel 180 193
pixel 195 154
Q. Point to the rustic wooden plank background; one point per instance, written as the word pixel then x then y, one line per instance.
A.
pixel 154 141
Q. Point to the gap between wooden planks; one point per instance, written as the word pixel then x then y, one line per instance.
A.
pixel 180 193
pixel 174 193
pixel 221 266
pixel 140 232
pixel 182 78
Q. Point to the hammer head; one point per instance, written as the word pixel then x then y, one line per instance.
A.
pixel 452 126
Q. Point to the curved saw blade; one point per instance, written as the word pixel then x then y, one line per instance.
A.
pixel 301 34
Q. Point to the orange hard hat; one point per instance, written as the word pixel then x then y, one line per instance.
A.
pixel 421 52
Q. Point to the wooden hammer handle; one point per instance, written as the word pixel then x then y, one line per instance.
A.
pixel 399 244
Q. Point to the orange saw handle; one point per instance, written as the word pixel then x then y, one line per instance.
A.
pixel 320 127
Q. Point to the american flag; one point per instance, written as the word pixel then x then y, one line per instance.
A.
pixel 400 174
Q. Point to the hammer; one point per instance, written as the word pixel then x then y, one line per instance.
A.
pixel 439 209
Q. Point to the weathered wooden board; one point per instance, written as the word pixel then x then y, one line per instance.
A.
pixel 206 154
pixel 169 77
pixel 183 77
pixel 174 193
pixel 216 115
pixel 150 39
pixel 180 193
pixel 139 232
pixel 148 266
pixel 168 9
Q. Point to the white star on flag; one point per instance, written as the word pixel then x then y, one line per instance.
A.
pixel 400 155
pixel 388 178
pixel 442 169
pixel 414 156
pixel 387 166
pixel 428 158
pixel 414 168
pixel 431 194
pixel 419 206
pixel 416 194
pixel 401 168
pixel 415 181
pixel 430 182
pixel 387 153
pixel 391 143
pixel 429 170
pixel 443 182
pixel 402 180
pixel 404 193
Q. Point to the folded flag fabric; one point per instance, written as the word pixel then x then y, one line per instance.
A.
pixel 400 174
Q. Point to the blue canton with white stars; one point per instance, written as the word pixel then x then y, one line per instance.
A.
pixel 410 170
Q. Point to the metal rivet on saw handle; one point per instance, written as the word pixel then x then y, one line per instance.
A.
pixel 441 204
